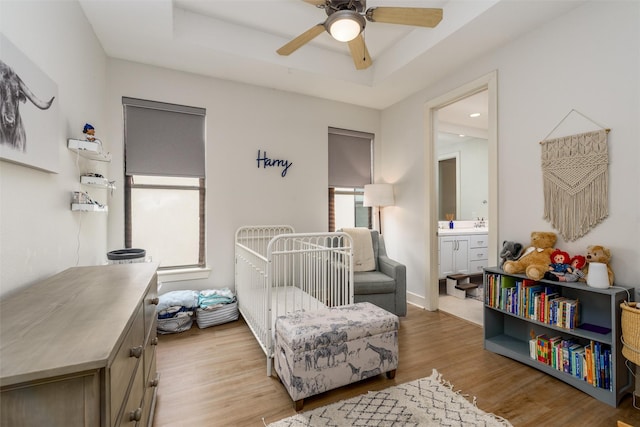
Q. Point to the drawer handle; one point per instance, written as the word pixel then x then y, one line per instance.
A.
pixel 155 301
pixel 154 383
pixel 135 415
pixel 154 341
pixel 136 352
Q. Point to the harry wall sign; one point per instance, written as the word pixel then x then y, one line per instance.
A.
pixel 266 162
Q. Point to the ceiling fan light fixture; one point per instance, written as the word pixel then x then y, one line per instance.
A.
pixel 345 25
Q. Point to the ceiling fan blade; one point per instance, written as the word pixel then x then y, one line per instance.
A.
pixel 421 17
pixel 301 40
pixel 359 53
pixel 316 2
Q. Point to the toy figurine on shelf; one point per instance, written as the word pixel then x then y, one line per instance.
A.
pixel 90 132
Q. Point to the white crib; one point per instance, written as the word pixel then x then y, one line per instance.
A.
pixel 279 271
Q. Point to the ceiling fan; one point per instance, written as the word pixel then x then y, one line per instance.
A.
pixel 346 21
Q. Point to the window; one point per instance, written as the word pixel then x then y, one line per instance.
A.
pixel 349 171
pixel 167 219
pixel 165 182
pixel 348 209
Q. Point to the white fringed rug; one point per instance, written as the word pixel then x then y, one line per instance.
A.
pixel 428 401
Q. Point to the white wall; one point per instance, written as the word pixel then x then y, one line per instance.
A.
pixel 241 120
pixel 39 235
pixel 587 60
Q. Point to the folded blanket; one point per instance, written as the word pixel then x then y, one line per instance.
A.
pixel 363 259
pixel 212 297
pixel 187 299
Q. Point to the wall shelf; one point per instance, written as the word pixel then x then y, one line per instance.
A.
pixel 88 149
pixel 89 207
pixel 91 150
pixel 96 181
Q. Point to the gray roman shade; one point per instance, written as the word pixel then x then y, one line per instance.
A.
pixel 163 139
pixel 349 158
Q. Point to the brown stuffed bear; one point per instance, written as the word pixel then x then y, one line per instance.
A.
pixel 601 254
pixel 534 261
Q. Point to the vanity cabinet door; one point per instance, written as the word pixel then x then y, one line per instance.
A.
pixel 454 255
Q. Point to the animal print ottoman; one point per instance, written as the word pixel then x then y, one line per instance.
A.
pixel 320 350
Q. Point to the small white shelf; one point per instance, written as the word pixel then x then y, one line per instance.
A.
pixel 88 149
pixel 88 207
pixel 95 181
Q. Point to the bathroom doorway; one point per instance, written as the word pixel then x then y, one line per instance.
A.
pixel 473 199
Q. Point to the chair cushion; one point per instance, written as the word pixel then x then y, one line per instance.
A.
pixel 373 282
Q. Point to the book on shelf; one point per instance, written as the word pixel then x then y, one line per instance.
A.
pixel 555 351
pixel 574 360
pixel 542 348
pixel 532 348
pixel 579 363
pixel 533 300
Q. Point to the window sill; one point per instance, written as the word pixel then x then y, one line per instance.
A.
pixel 181 274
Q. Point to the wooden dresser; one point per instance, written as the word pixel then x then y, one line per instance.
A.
pixel 78 349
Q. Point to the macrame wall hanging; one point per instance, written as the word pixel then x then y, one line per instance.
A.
pixel 575 171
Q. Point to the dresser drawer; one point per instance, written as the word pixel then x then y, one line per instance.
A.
pixel 125 363
pixel 150 393
pixel 133 410
pixel 150 350
pixel 150 304
pixel 479 241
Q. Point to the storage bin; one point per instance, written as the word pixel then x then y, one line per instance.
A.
pixel 126 256
pixel 218 315
pixel 630 324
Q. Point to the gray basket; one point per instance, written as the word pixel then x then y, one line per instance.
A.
pixel 126 256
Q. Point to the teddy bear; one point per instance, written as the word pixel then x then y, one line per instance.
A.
pixel 534 261
pixel 510 251
pixel 597 253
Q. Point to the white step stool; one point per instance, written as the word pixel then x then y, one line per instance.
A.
pixel 460 286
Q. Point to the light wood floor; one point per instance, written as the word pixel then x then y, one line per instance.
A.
pixel 217 377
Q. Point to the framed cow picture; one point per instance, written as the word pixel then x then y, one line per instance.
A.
pixel 29 118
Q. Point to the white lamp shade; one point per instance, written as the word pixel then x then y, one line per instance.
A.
pixel 598 276
pixel 345 25
pixel 378 195
pixel 344 30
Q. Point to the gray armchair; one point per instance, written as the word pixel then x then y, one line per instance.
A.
pixel 386 286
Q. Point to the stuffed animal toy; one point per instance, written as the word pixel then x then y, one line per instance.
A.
pixel 601 254
pixel 534 261
pixel 559 262
pixel 510 251
pixel 573 272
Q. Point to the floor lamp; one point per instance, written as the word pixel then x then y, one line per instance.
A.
pixel 378 195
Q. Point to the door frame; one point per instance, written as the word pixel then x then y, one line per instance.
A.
pixel 487 82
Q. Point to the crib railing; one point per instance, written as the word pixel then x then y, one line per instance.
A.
pixel 252 289
pixel 318 264
pixel 280 273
